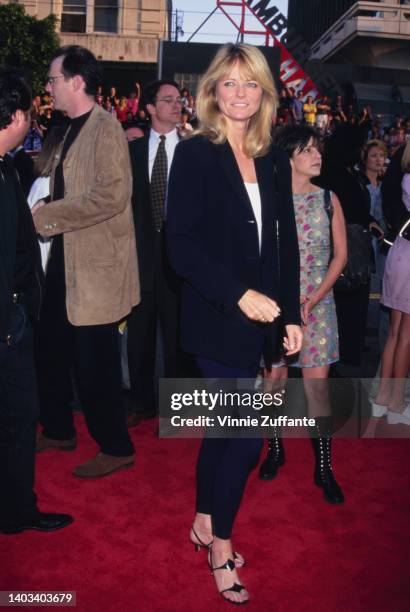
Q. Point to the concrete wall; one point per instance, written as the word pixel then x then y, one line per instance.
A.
pixel 379 21
pixel 115 48
pixel 140 27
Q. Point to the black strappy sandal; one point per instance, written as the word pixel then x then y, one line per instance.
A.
pixel 239 560
pixel 235 588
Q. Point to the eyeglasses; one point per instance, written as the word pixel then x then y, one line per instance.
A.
pixel 170 100
pixel 50 80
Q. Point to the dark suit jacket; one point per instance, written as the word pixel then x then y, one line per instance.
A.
pixel 142 209
pixel 213 245
pixel 14 210
pixel 146 235
pixel 24 165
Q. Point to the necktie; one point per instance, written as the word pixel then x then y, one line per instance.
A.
pixel 159 183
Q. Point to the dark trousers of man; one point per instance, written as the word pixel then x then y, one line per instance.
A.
pixel 18 419
pixel 224 464
pixel 92 353
pixel 162 303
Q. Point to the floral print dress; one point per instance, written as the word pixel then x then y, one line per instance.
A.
pixel 320 340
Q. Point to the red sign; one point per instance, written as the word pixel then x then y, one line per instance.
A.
pixel 274 26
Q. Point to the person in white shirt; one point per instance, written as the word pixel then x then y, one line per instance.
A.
pixel 40 189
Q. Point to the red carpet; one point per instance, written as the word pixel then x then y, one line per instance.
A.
pixel 128 549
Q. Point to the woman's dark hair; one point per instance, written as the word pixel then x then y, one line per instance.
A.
pixel 80 61
pixel 294 138
pixel 15 94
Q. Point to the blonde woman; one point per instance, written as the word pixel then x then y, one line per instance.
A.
pixel 224 207
pixel 390 399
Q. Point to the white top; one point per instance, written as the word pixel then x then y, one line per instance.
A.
pixel 255 198
pixel 40 189
pixel 171 141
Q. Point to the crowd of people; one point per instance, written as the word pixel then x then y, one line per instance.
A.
pixel 328 114
pixel 294 108
pixel 242 226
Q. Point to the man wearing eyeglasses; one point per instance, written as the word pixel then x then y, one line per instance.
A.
pixel 92 272
pixel 151 159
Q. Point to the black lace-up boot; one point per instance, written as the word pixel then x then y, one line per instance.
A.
pixel 274 459
pixel 323 475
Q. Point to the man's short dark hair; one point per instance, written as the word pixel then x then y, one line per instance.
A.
pixel 151 90
pixel 80 61
pixel 15 94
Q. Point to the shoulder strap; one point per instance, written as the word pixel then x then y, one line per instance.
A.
pixel 329 212
pixel 328 204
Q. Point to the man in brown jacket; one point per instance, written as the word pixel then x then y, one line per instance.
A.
pixel 92 273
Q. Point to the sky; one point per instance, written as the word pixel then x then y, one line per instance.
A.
pixel 218 28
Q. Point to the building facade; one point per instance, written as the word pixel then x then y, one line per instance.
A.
pixel 365 44
pixel 123 34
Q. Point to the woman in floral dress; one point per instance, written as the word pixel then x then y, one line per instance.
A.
pixel 323 255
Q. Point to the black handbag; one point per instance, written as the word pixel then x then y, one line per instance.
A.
pixel 360 258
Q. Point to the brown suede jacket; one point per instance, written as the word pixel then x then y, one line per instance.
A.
pixel 95 217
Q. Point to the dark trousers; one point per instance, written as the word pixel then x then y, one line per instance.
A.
pixel 161 304
pixel 224 465
pixel 351 310
pixel 18 418
pixel 92 353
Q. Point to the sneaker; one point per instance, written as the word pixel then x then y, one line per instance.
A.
pixel 378 410
pixel 395 418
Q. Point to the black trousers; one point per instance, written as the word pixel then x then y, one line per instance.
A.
pixel 18 419
pixel 161 304
pixel 351 310
pixel 224 465
pixel 92 353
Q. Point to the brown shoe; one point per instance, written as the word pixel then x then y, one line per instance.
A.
pixel 44 443
pixel 103 465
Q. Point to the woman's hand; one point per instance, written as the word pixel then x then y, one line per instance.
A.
pixel 307 306
pixel 258 307
pixel 293 339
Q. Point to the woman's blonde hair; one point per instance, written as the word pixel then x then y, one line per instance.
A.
pixel 375 143
pixel 212 122
pixel 405 160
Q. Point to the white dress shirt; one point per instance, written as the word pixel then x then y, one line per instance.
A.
pixel 171 141
pixel 40 189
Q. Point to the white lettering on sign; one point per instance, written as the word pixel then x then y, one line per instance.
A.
pixel 294 50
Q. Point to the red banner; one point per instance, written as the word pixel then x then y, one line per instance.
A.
pixel 274 26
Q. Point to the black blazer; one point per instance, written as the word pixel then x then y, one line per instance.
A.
pixel 146 236
pixel 142 209
pixel 213 245
pixel 14 210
